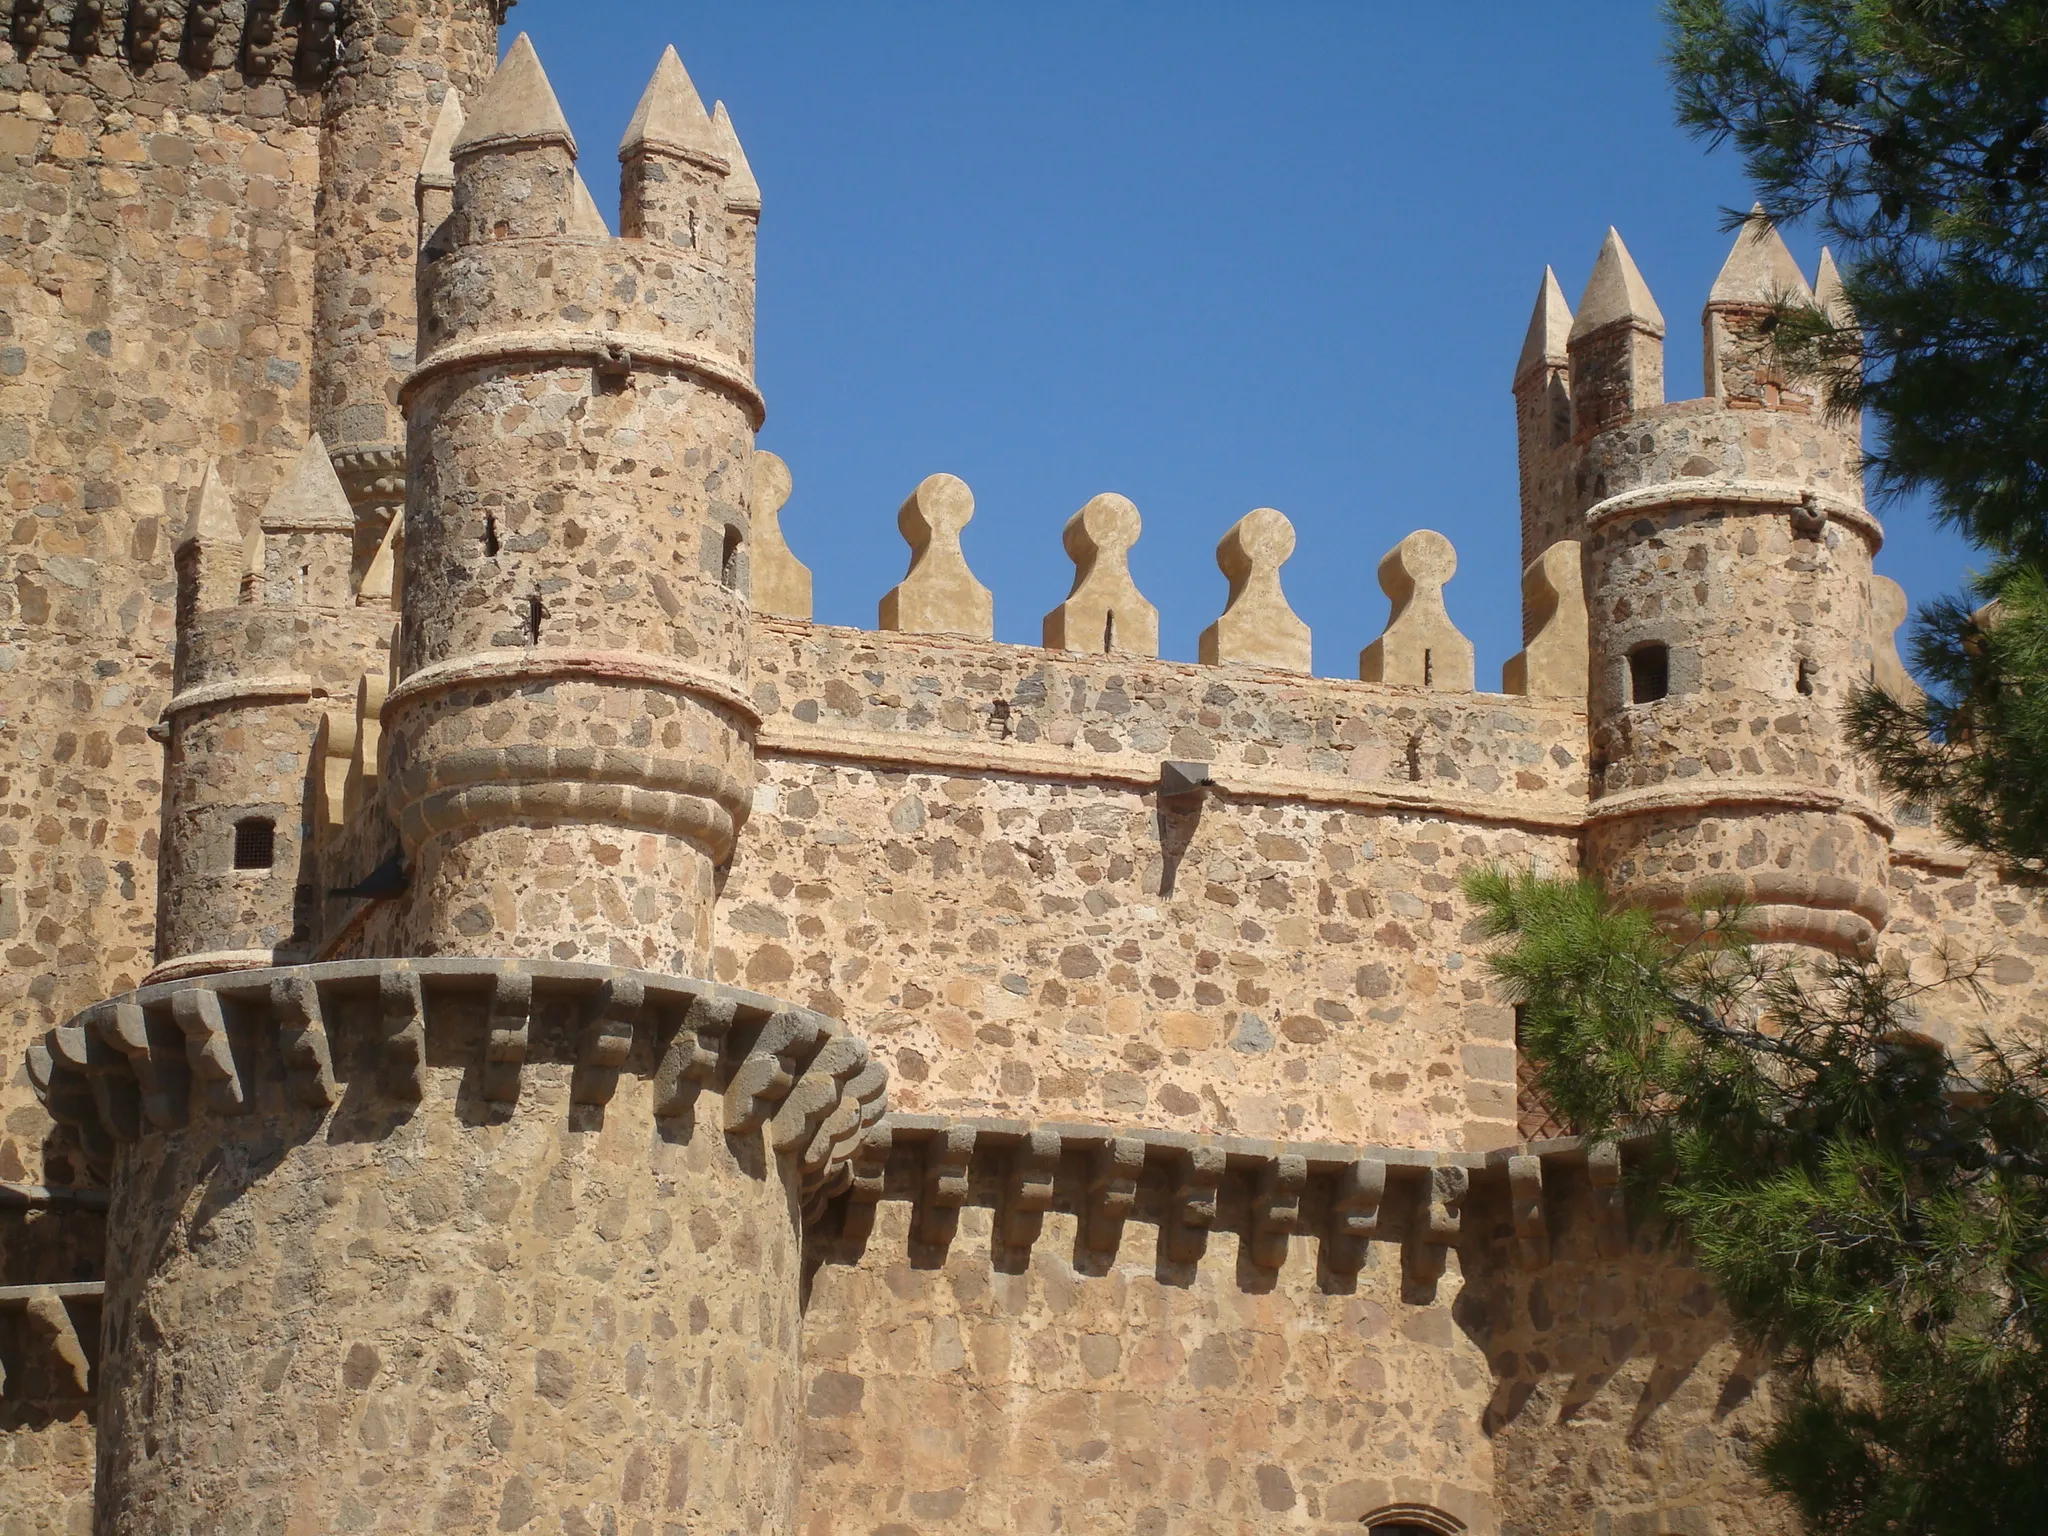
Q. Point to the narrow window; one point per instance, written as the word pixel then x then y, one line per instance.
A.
pixel 1649 672
pixel 491 534
pixel 1428 667
pixel 1108 633
pixel 729 562
pixel 536 610
pixel 255 842
pixel 1805 681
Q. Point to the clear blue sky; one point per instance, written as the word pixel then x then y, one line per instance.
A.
pixel 1211 256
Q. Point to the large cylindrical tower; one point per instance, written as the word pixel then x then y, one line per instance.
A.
pixel 570 735
pixel 1728 589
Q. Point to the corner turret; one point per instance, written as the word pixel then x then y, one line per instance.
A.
pixel 1728 587
pixel 1543 426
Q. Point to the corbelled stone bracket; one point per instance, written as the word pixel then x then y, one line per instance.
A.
pixel 128 1067
pixel 1266 1192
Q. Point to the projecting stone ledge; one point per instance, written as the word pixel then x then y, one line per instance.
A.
pixel 300 1038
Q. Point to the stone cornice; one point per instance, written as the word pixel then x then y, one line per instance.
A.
pixel 630 349
pixel 1749 493
pixel 1703 794
pixel 628 667
pixel 152 1060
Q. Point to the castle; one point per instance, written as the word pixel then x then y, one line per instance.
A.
pixel 512 1027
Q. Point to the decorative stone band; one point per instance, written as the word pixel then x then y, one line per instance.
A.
pixel 485 786
pixel 608 348
pixel 1757 493
pixel 151 1060
pixel 284 687
pixel 785 737
pixel 590 666
pixel 1191 1185
pixel 1701 794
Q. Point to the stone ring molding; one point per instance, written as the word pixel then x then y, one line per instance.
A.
pixel 155 1059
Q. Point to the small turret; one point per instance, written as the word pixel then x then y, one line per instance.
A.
pixel 268 628
pixel 1616 343
pixel 672 164
pixel 1758 275
pixel 434 191
pixel 515 159
pixel 1543 425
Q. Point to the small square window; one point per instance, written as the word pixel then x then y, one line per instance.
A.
pixel 255 843
pixel 1649 672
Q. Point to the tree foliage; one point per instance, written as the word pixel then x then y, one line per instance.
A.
pixel 1914 134
pixel 1880 1226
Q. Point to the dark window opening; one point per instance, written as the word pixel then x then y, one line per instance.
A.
pixel 1804 682
pixel 491 533
pixel 1415 758
pixel 729 561
pixel 536 610
pixel 255 843
pixel 1649 672
pixel 1108 633
pixel 1428 667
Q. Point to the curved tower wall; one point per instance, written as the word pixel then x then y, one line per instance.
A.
pixel 570 735
pixel 1728 562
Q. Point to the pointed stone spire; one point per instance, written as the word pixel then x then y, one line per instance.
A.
pixel 1616 293
pixel 1828 296
pixel 1550 329
pixel 1759 270
pixel 437 166
pixel 742 192
pixel 1616 343
pixel 310 495
pixel 671 115
pixel 518 107
pixel 211 557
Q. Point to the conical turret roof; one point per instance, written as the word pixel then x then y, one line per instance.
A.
pixel 214 520
pixel 517 107
pixel 741 190
pixel 438 165
pixel 1759 269
pixel 1616 291
pixel 1550 328
pixel 310 496
pixel 671 114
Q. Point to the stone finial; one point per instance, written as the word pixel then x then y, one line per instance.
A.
pixel 671 116
pixel 213 557
pixel 1759 270
pixel 310 495
pixel 1257 627
pixel 518 107
pixel 1888 607
pixel 742 192
pixel 1420 647
pixel 1616 342
pixel 1554 664
pixel 1104 613
pixel 1548 343
pixel 938 594
pixel 782 583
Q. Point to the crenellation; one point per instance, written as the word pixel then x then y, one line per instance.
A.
pixel 824 1079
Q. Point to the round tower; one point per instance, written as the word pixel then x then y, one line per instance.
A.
pixel 570 737
pixel 401 65
pixel 1729 598
pixel 268 633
